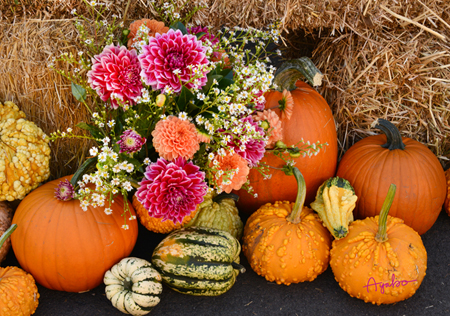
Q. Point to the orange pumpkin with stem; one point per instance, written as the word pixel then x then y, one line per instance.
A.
pixel 66 248
pixel 311 120
pixel 375 162
pixel 381 260
pixel 286 242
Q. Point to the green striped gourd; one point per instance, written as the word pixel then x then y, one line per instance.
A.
pixel 133 286
pixel 198 261
pixel 219 211
pixel 335 201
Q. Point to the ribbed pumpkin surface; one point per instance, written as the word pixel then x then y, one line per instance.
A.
pixel 66 248
pixel 416 172
pixel 311 120
pixel 447 199
pixel 197 261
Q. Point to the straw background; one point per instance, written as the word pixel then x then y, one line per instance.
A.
pixel 388 59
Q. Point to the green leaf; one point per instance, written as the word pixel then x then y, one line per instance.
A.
pixel 227 73
pixel 185 96
pixel 179 26
pixel 86 167
pixel 78 92
pixel 225 82
pixel 94 130
pixel 200 35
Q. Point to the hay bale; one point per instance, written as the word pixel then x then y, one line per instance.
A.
pixel 26 48
pixel 400 73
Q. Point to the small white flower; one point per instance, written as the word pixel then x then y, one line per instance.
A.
pixel 106 140
pixel 108 211
pixel 69 130
pixel 183 116
pixel 111 123
pixel 130 168
pixel 73 11
pixel 132 218
pixel 93 151
pixel 127 186
pixel 176 71
pixel 200 96
pixel 125 227
pixel 211 156
pixel 147 161
pixel 95 115
pixel 88 41
pixel 102 157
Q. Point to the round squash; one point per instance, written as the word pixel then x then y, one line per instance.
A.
pixel 66 248
pixel 157 225
pixel 219 211
pixel 24 162
pixel 311 120
pixel 19 293
pixel 198 261
pixel 286 242
pixel 382 260
pixel 375 162
pixel 133 286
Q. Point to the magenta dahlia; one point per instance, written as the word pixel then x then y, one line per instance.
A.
pixel 171 189
pixel 131 142
pixel 254 147
pixel 169 56
pixel 199 29
pixel 115 75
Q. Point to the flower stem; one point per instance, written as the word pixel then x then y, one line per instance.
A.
pixel 294 217
pixel 381 234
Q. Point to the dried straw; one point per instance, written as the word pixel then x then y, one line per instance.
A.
pixel 400 73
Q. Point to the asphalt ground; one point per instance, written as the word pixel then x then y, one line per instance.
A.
pixel 253 295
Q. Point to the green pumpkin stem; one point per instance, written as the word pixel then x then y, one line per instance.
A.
pixel 381 234
pixel 394 139
pixel 7 233
pixel 238 266
pixel 290 71
pixel 294 217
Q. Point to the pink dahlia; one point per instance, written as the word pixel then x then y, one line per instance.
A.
pixel 171 53
pixel 172 190
pixel 131 142
pixel 198 29
pixel 253 150
pixel 115 74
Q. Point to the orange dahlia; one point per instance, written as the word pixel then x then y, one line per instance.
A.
pixel 275 131
pixel 174 137
pixel 153 25
pixel 239 168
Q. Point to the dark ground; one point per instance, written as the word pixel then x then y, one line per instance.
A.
pixel 253 295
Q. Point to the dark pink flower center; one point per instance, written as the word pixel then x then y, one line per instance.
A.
pixel 129 75
pixel 175 60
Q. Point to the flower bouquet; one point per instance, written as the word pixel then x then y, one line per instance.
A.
pixel 176 112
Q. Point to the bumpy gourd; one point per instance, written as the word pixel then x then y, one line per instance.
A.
pixel 381 260
pixel 157 225
pixel 24 162
pixel 335 201
pixel 286 242
pixel 133 286
pixel 219 211
pixel 198 261
pixel 18 291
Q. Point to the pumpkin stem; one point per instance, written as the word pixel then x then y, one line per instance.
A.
pixel 382 219
pixel 290 71
pixel 294 217
pixel 7 233
pixel 394 139
pixel 238 266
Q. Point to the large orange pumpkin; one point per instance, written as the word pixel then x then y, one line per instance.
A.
pixel 311 120
pixel 66 248
pixel 375 162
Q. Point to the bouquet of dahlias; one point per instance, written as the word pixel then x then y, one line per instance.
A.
pixel 177 112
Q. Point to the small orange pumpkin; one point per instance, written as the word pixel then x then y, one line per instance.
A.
pixel 311 120
pixel 286 242
pixel 66 248
pixel 381 260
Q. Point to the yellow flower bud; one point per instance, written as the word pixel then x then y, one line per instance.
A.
pixel 160 100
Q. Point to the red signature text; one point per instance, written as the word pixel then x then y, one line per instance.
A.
pixel 383 285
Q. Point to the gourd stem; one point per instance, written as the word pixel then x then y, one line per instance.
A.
pixel 7 233
pixel 225 195
pixel 238 266
pixel 294 217
pixel 394 139
pixel 381 234
pixel 290 71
